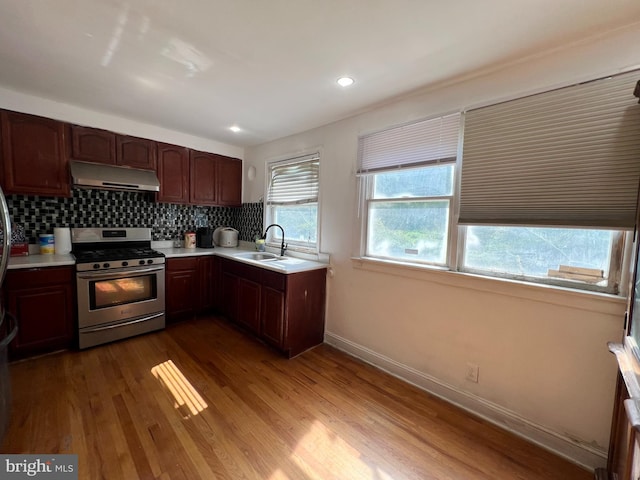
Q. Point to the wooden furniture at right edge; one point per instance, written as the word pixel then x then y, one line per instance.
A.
pixel 623 462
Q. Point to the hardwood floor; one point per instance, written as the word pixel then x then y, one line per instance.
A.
pixel 202 400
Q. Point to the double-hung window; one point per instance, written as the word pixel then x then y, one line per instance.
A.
pixel 407 180
pixel 292 202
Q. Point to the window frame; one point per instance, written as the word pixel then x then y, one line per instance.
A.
pixel 273 239
pixel 367 186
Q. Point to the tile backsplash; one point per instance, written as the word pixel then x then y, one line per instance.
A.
pixel 105 208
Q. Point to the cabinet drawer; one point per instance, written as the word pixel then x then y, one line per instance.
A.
pixel 35 277
pixel 274 280
pixel 186 263
pixel 247 271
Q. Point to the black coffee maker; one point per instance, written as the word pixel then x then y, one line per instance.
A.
pixel 204 237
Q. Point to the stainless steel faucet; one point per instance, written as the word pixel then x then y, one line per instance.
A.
pixel 283 246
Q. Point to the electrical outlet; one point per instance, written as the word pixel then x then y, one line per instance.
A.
pixel 472 372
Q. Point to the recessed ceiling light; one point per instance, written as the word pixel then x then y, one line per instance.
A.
pixel 234 128
pixel 345 81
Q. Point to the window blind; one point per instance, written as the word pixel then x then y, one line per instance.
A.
pixel 420 143
pixel 566 157
pixel 294 181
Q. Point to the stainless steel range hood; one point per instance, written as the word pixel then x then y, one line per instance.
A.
pixel 111 177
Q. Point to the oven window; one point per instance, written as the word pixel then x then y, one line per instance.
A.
pixel 120 291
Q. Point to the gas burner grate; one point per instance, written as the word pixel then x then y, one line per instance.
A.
pixel 112 254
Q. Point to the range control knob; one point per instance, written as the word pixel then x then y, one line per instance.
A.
pixel 105 265
pixel 96 265
pixel 125 264
pixel 141 262
pixel 149 261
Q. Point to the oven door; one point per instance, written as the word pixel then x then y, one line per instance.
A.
pixel 118 295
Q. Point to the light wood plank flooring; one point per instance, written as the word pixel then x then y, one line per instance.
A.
pixel 202 400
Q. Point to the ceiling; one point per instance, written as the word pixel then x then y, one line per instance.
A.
pixel 270 67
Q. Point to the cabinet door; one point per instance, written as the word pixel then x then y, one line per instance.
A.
pixel 217 293
pixel 93 145
pixel 273 316
pixel 203 178
pixel 136 152
pixel 43 303
pixel 207 283
pixel 173 172
pixel 35 155
pixel 229 181
pixel 305 299
pixel 182 294
pixel 229 297
pixel 249 304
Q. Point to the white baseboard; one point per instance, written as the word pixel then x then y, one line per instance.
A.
pixel 584 455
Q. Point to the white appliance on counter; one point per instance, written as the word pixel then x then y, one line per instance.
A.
pixel 225 237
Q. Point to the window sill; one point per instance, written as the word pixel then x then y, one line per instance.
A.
pixel 568 297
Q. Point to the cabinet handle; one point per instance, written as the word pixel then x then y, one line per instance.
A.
pixel 124 324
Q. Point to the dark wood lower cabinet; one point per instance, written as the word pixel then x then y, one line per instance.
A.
pixel 248 310
pixel 273 316
pixel 284 310
pixel 182 288
pixel 42 301
pixel 206 272
pixel 190 286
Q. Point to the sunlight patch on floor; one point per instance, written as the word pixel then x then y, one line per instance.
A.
pixel 322 447
pixel 183 392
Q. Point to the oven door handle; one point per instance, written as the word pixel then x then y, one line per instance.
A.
pixel 119 273
pixel 123 324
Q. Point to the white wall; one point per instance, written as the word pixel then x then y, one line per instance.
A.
pixel 544 367
pixel 20 102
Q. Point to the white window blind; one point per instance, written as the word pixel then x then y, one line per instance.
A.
pixel 295 181
pixel 421 143
pixel 566 157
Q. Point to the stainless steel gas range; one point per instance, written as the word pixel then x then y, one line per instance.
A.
pixel 120 284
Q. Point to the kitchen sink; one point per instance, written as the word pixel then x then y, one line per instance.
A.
pixel 261 257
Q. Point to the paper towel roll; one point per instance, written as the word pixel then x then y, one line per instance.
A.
pixel 62 240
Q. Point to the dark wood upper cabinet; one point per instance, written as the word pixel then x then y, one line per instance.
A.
pixel 203 178
pixel 229 181
pixel 35 156
pixel 93 145
pixel 36 152
pixel 101 146
pixel 135 152
pixel 215 179
pixel 173 173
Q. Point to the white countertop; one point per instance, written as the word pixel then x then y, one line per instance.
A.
pixel 186 252
pixel 287 265
pixel 39 261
